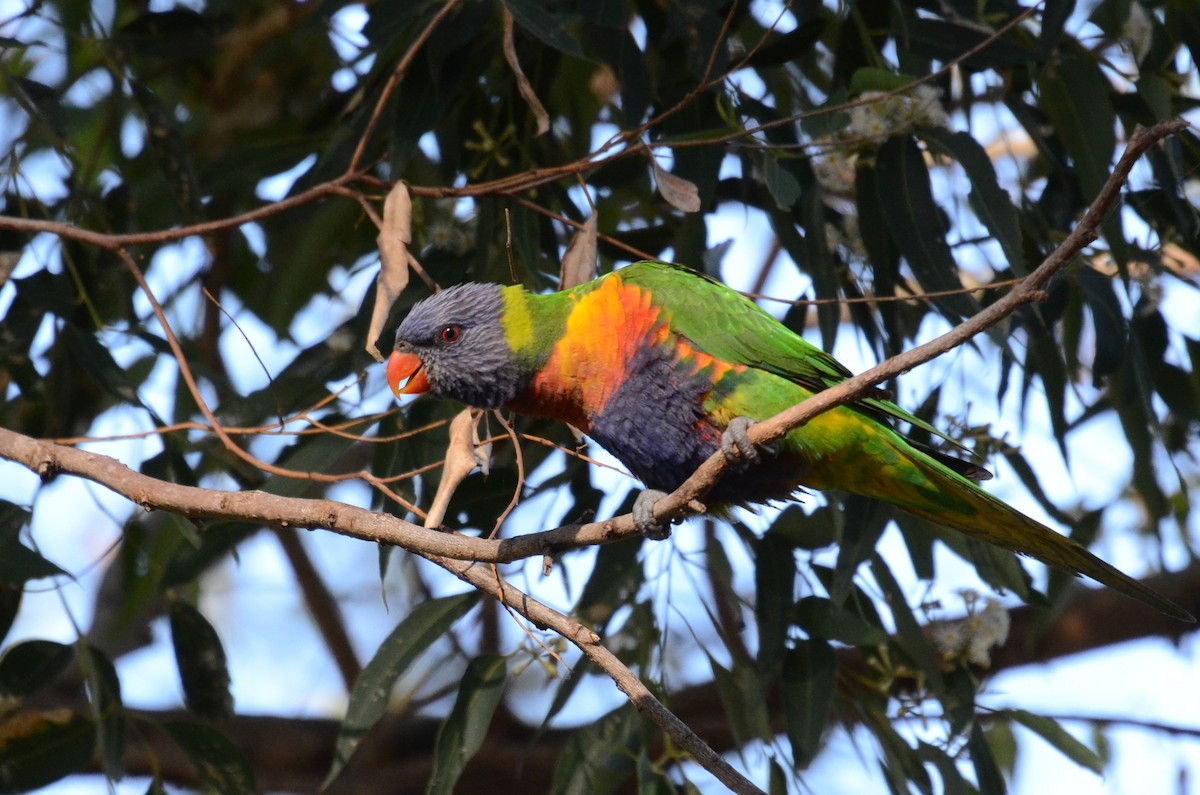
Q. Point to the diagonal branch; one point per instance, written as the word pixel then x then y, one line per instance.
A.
pixel 588 642
pixel 1030 290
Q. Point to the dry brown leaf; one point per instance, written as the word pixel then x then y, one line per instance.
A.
pixel 680 193
pixel 394 258
pixel 579 263
pixel 463 454
pixel 527 92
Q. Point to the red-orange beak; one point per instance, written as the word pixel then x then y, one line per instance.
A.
pixel 406 366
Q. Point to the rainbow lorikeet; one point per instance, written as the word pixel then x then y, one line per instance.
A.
pixel 663 366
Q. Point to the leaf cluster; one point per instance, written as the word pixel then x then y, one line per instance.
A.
pixel 904 163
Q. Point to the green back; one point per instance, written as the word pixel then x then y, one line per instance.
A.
pixel 726 324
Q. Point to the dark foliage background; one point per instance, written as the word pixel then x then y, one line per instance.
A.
pixel 885 169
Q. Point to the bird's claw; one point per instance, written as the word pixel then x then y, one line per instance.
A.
pixel 736 445
pixel 643 515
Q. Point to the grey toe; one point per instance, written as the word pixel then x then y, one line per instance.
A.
pixel 643 515
pixel 736 446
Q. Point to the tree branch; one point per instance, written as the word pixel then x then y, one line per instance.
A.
pixel 449 550
pixel 1030 290
pixel 293 753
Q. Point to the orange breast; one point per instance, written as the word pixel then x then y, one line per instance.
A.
pixel 605 330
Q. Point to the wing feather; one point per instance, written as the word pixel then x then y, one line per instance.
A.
pixel 729 326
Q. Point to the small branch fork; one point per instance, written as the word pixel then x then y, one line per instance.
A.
pixel 1029 290
pixel 461 555
pixel 47 458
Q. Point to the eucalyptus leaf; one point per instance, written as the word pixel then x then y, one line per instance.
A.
pixel 1052 732
pixel 39 748
pixel 774 581
pixel 29 666
pixel 220 765
pixel 372 691
pixel 809 671
pixel 916 225
pixel 465 728
pixel 600 758
pixel 200 658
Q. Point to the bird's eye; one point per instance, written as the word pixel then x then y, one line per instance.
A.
pixel 450 334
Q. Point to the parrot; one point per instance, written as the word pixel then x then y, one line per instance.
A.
pixel 663 366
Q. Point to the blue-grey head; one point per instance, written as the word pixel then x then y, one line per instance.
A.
pixel 452 345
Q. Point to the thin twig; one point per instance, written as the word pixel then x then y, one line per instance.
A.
pixel 1030 290
pixel 588 642
pixel 394 81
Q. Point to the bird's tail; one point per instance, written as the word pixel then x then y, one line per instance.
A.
pixel 947 498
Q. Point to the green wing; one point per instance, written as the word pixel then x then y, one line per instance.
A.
pixel 725 324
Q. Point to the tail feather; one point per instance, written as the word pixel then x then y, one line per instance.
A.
pixel 950 499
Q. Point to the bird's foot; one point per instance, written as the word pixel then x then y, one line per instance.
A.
pixel 643 515
pixel 736 445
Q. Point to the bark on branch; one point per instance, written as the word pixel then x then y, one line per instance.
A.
pixel 461 555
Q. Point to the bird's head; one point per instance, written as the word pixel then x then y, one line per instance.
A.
pixel 453 345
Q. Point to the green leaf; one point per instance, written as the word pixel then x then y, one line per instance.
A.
pixel 566 689
pixel 741 693
pixel 220 765
pixel 39 748
pixel 871 78
pixel 953 782
pixel 902 766
pixel 911 638
pixel 464 730
pixel 808 531
pixel 1003 742
pixel 821 618
pixel 27 667
pixel 882 253
pixel 18 563
pixel 990 202
pixel 999 568
pixel 544 24
pixel 180 34
pixel 652 779
pixel 820 263
pixel 373 689
pixel 783 187
pixel 1052 732
pixel 820 124
pixel 987 772
pixel 1156 90
pixel 615 580
pixel 165 140
pixel 10 603
pixel 200 658
pixel 1108 322
pixel 917 225
pixel 778 779
pixel 726 600
pixel 774 582
pixel 809 683
pixel 94 359
pixel 1076 96
pixel 865 520
pixel 599 758
pixel 104 692
pixel 41 102
pixel 918 535
pixel 156 787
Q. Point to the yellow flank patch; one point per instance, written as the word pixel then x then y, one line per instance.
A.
pixel 607 326
pixel 516 320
